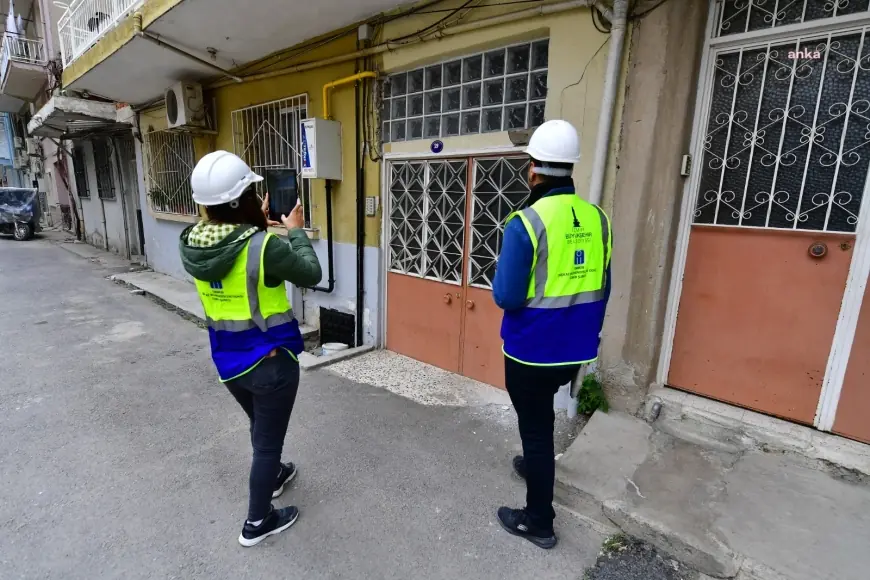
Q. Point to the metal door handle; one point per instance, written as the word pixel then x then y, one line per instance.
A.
pixel 447 299
pixel 470 304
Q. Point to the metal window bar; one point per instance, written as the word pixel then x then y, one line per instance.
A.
pixel 742 16
pixel 427 219
pixel 788 135
pixel 497 90
pixel 80 172
pixel 169 162
pixel 268 137
pixel 103 167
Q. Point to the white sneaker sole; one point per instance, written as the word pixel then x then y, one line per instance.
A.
pixel 254 541
pixel 280 490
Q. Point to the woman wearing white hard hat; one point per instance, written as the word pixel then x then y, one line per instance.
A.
pixel 553 282
pixel 240 270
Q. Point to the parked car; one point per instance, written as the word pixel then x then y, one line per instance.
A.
pixel 19 212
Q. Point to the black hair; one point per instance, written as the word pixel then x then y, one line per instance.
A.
pixel 248 211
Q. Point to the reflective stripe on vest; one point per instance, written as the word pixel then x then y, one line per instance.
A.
pixel 537 294
pixel 242 325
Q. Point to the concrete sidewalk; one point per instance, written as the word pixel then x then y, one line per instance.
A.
pixel 725 512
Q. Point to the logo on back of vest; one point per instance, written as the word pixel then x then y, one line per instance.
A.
pixel 216 285
pixel 579 257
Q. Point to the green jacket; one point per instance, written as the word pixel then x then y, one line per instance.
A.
pixel 286 260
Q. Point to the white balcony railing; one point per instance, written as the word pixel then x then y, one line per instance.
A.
pixel 85 21
pixel 19 49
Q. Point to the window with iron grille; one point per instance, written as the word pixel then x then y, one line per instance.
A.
pixel 80 171
pixel 739 16
pixel 268 138
pixel 498 90
pixel 103 166
pixel 169 161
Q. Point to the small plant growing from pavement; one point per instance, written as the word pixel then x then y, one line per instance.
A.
pixel 591 397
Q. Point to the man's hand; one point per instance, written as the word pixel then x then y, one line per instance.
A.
pixel 295 219
pixel 265 206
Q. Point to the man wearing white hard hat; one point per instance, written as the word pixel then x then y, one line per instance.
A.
pixel 553 282
pixel 240 269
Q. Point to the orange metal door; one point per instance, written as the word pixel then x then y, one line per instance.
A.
pixel 440 308
pixel 482 357
pixel 424 320
pixel 853 409
pixel 499 187
pixel 778 195
pixel 757 318
pixel 425 297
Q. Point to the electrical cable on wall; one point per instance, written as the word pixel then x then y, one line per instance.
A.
pixel 595 15
pixel 578 81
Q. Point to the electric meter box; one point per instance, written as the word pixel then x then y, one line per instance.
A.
pixel 321 149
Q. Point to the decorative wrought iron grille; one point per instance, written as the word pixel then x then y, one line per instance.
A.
pixel 500 188
pixel 169 161
pixel 80 171
pixel 737 16
pixel 498 90
pixel 788 135
pixel 268 137
pixel 103 167
pixel 427 218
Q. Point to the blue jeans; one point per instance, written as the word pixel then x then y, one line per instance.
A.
pixel 267 395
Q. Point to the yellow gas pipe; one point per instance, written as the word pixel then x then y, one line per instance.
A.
pixel 346 80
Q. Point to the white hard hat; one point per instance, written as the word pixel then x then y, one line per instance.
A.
pixel 220 177
pixel 554 142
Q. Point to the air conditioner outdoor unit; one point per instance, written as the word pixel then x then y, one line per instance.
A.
pixel 21 161
pixel 18 142
pixel 33 147
pixel 184 105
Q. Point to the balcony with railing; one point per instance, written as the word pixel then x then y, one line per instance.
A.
pixel 22 66
pixel 84 22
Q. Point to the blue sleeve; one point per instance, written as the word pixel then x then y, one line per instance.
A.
pixel 514 267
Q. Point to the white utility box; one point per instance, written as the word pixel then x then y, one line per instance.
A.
pixel 321 149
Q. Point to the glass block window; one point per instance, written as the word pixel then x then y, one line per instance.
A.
pixel 498 90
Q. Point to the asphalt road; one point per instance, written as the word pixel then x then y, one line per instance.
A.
pixel 121 456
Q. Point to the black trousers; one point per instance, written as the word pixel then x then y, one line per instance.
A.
pixel 532 390
pixel 267 395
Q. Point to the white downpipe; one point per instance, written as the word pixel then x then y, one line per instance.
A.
pixel 608 100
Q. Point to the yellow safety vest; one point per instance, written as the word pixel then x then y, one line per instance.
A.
pixel 246 318
pixel 561 321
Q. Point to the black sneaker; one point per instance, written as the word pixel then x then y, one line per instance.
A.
pixel 516 522
pixel 520 466
pixel 285 476
pixel 276 522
